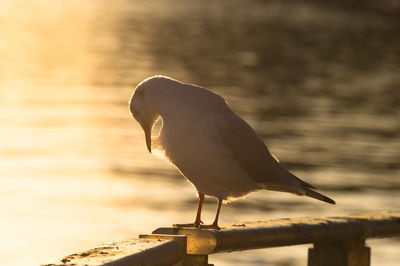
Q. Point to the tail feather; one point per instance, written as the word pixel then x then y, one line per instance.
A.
pixel 313 194
pixel 309 190
pixel 305 184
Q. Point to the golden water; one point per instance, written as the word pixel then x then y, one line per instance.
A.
pixel 75 172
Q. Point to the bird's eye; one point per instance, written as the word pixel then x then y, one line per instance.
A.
pixel 140 93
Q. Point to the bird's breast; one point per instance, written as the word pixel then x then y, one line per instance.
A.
pixel 185 144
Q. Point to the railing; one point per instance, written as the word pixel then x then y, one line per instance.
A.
pixel 338 241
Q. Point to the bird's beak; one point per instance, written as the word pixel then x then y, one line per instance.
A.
pixel 147 133
pixel 148 138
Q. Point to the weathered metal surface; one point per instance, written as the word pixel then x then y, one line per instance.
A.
pixel 168 253
pixel 284 232
pixel 133 252
pixel 181 240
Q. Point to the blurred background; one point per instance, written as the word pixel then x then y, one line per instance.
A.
pixel 318 80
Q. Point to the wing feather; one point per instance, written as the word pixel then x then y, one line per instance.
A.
pixel 252 154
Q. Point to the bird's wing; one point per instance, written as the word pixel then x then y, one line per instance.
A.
pixel 251 153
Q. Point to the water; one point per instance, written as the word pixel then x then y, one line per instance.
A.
pixel 319 83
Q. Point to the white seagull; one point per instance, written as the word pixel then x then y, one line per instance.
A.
pixel 215 149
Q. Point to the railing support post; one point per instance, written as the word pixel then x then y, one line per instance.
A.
pixel 347 253
pixel 196 260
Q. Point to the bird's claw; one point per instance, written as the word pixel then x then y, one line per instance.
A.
pixel 195 224
pixel 210 226
pixel 185 225
pixel 201 226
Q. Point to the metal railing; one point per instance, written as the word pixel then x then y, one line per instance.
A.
pixel 338 241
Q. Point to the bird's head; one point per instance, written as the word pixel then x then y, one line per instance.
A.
pixel 172 100
pixel 143 111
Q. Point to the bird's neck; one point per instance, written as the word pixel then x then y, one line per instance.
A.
pixel 178 104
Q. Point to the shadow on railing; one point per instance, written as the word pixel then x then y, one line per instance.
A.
pixel 338 241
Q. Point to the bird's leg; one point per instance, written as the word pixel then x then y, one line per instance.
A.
pixel 198 221
pixel 214 225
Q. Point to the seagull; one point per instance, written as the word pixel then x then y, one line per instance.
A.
pixel 210 145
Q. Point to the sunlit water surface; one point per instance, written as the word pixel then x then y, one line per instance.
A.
pixel 318 83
